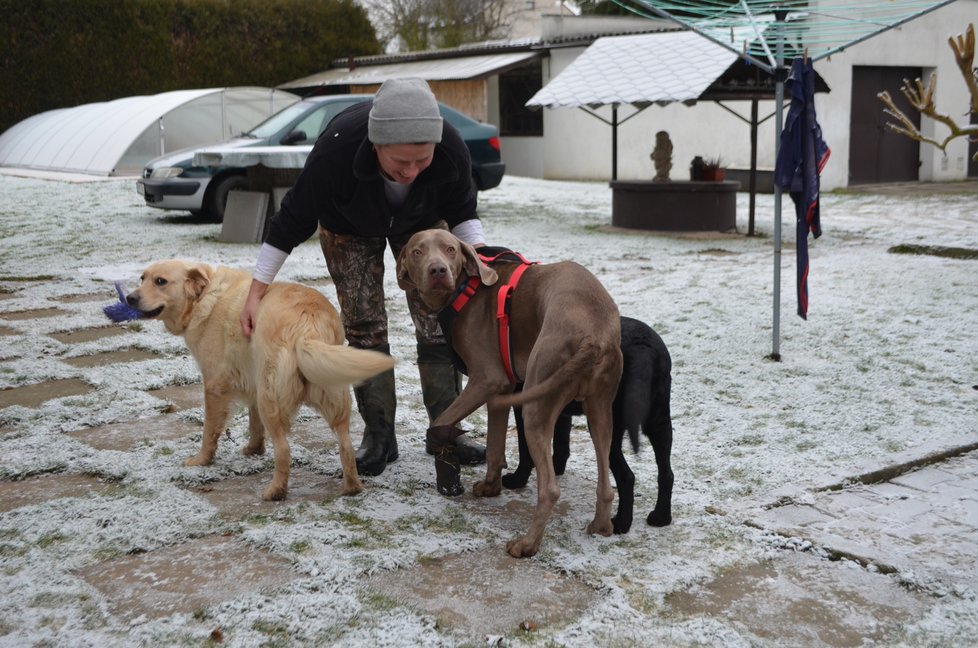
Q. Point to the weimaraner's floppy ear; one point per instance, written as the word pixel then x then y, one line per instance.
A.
pixel 404 280
pixel 473 265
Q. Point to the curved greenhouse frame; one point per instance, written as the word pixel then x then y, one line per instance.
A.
pixel 117 138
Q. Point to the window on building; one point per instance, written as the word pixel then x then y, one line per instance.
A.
pixel 516 87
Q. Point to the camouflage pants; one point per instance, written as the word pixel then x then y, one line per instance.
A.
pixel 356 265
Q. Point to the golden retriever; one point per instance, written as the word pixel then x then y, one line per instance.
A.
pixel 295 355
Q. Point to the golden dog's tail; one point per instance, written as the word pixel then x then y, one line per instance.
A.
pixel 338 364
pixel 581 363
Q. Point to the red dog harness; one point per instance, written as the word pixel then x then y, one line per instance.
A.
pixel 503 298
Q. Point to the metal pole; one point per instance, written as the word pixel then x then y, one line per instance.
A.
pixel 753 167
pixel 779 75
pixel 614 141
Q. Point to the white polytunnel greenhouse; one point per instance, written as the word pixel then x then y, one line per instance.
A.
pixel 118 137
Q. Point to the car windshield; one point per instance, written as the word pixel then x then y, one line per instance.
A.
pixel 278 121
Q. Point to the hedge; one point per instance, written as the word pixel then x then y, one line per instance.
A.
pixel 62 53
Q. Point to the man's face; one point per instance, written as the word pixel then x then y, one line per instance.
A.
pixel 403 162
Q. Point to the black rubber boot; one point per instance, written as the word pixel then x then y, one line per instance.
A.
pixel 441 443
pixel 377 403
pixel 440 386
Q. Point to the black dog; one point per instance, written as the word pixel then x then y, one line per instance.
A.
pixel 642 402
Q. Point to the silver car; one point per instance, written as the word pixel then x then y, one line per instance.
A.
pixel 172 181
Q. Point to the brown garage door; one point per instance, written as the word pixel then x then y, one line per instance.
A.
pixel 877 154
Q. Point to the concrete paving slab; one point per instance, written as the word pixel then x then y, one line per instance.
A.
pixel 315 435
pixel 88 334
pixel 33 396
pixel 186 578
pixel 239 497
pixel 38 313
pixel 180 397
pixel 108 297
pixel 928 527
pixel 459 590
pixel 43 488
pixel 923 479
pixel 802 600
pixel 111 357
pixel 131 434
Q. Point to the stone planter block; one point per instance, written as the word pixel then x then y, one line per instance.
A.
pixel 677 205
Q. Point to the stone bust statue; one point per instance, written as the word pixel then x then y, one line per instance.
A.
pixel 662 156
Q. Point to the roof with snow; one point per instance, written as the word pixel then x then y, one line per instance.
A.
pixel 640 70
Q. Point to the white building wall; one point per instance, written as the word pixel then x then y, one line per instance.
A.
pixel 578 146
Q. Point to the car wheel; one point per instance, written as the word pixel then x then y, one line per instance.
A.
pixel 217 197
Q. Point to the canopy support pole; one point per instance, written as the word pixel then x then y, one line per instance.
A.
pixel 614 141
pixel 753 167
pixel 779 76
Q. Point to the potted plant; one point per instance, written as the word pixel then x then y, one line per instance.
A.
pixel 713 169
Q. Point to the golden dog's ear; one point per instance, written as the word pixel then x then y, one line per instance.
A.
pixel 404 280
pixel 197 279
pixel 473 265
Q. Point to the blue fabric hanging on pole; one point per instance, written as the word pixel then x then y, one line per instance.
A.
pixel 801 158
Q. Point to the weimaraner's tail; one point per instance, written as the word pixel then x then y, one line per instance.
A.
pixel 581 363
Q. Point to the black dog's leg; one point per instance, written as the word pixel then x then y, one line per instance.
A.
pixel 624 481
pixel 659 431
pixel 561 448
pixel 519 477
pixel 561 443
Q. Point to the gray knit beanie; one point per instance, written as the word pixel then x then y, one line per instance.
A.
pixel 405 111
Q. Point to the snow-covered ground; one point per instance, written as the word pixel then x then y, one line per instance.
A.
pixel 884 367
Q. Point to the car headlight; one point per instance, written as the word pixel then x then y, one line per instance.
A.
pixel 166 172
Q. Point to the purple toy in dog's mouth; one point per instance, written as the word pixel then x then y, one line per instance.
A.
pixel 121 311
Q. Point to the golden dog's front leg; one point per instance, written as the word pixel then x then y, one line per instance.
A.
pixel 256 434
pixel 495 453
pixel 217 405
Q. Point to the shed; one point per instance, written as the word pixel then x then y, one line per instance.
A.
pixel 459 80
pixel 118 137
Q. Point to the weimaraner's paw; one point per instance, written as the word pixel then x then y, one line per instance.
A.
pixel 275 493
pixel 522 547
pixel 487 488
pixel 352 488
pixel 603 527
pixel 253 449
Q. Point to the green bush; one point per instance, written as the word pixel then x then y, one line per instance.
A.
pixel 62 53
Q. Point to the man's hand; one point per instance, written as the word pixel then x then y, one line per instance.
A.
pixel 250 311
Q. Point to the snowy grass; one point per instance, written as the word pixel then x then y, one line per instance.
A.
pixel 885 367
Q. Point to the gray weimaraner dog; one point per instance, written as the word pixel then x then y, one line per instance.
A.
pixel 564 338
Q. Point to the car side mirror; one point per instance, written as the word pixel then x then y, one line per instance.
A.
pixel 294 137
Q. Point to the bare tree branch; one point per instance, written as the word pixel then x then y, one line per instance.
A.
pixel 415 25
pixel 964 53
pixel 921 97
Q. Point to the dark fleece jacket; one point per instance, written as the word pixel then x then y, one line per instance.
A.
pixel 340 187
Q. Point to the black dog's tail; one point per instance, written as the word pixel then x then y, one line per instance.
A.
pixel 644 392
pixel 634 404
pixel 581 363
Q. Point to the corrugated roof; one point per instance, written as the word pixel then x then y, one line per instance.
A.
pixel 449 69
pixel 640 70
